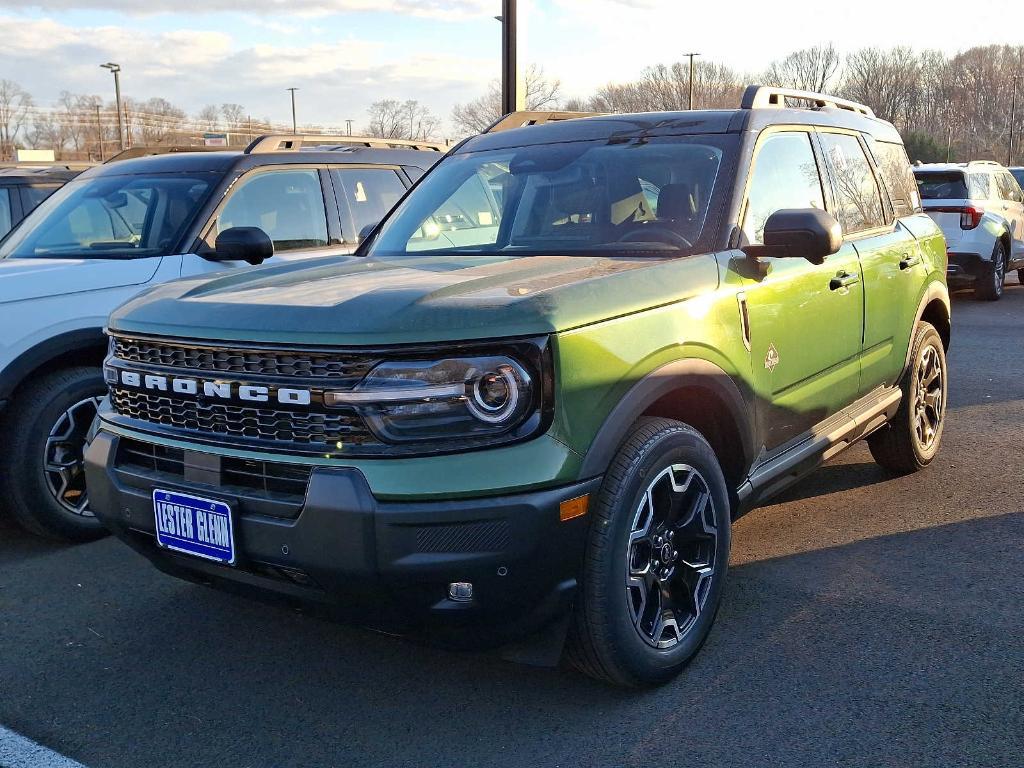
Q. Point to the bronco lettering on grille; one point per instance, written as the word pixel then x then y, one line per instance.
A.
pixel 218 390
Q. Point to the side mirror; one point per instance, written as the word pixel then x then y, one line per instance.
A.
pixel 804 233
pixel 366 231
pixel 249 244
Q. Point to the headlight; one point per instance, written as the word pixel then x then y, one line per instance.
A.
pixel 457 397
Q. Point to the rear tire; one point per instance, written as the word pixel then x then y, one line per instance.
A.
pixel 989 284
pixel 911 440
pixel 656 559
pixel 41 481
pixel 1020 276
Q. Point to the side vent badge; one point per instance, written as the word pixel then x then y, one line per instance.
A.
pixel 771 360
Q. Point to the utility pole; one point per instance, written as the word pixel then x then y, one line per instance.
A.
pixel 116 70
pixel 1013 118
pixel 348 127
pixel 295 125
pixel 691 55
pixel 511 99
pixel 99 133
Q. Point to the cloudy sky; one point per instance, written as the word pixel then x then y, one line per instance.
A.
pixel 344 54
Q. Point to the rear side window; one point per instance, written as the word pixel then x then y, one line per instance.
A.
pixel 941 185
pixel 785 176
pixel 1008 188
pixel 33 195
pixel 894 167
pixel 6 218
pixel 369 194
pixel 287 205
pixel 858 204
pixel 979 186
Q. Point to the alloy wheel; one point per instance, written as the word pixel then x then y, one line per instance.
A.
pixel 63 464
pixel 999 271
pixel 671 556
pixel 929 401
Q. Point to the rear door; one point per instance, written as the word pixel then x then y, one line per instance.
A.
pixel 805 320
pixel 1013 211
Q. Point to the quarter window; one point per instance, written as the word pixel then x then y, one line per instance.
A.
pixel 894 167
pixel 785 176
pixel 369 193
pixel 287 205
pixel 979 186
pixel 858 203
pixel 5 211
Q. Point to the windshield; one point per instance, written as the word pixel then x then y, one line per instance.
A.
pixel 1018 174
pixel 934 185
pixel 583 197
pixel 112 217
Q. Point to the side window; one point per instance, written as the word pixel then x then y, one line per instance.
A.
pixel 785 176
pixel 33 195
pixel 858 204
pixel 370 194
pixel 894 167
pixel 470 217
pixel 979 186
pixel 5 211
pixel 1009 189
pixel 287 205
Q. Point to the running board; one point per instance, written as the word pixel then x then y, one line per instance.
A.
pixel 830 437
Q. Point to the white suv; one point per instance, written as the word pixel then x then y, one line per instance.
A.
pixel 980 208
pixel 123 227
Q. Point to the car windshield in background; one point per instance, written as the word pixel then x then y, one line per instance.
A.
pixel 585 197
pixel 112 217
pixel 1018 174
pixel 934 185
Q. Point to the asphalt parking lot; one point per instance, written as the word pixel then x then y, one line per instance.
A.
pixel 867 621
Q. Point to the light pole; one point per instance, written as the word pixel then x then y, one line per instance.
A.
pixel 510 97
pixel 691 55
pixel 348 127
pixel 295 125
pixel 116 70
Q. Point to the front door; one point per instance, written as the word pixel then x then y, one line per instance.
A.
pixel 804 319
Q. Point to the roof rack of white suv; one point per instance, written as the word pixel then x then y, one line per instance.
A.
pixel 293 142
pixel 766 96
pixel 523 119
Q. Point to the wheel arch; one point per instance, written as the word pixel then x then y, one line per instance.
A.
pixel 696 392
pixel 84 346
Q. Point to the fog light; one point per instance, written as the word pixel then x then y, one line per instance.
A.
pixel 460 591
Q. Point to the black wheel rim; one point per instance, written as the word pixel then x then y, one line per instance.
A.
pixel 671 556
pixel 999 271
pixel 930 398
pixel 63 465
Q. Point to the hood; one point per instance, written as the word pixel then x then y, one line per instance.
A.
pixel 359 301
pixel 26 279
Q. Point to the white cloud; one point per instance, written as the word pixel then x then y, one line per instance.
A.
pixel 450 9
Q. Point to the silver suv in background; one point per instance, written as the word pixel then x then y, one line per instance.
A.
pixel 980 208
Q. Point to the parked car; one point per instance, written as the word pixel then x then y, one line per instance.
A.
pixel 980 208
pixel 1018 174
pixel 23 187
pixel 534 399
pixel 123 227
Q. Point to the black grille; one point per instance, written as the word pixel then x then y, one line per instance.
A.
pixel 301 428
pixel 267 362
pixel 268 479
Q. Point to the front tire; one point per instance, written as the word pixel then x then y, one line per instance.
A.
pixel 42 482
pixel 989 284
pixel 911 440
pixel 656 559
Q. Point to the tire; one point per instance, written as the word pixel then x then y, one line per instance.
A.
pixel 900 447
pixel 612 635
pixel 45 428
pixel 989 284
pixel 1020 276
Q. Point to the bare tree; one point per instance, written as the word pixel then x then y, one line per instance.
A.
pixel 888 81
pixel 233 115
pixel 391 119
pixel 156 120
pixel 810 69
pixel 15 103
pixel 666 87
pixel 475 116
pixel 208 117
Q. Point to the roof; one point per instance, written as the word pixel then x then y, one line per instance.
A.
pixel 28 174
pixel 224 161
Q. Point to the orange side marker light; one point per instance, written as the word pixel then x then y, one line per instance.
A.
pixel 573 508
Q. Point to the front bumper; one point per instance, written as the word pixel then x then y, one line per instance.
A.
pixel 390 563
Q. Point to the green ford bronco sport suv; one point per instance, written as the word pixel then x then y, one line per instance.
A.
pixel 544 387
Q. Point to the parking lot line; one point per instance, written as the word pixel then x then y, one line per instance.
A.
pixel 18 752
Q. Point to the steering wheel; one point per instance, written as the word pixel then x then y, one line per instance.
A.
pixel 655 234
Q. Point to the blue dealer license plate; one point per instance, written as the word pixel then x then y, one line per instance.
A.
pixel 194 525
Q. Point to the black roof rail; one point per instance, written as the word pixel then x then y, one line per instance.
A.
pixel 523 119
pixel 293 142
pixel 767 96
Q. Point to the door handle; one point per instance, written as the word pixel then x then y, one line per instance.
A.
pixel 843 280
pixel 909 261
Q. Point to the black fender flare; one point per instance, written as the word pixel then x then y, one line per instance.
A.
pixel 80 340
pixel 677 375
pixel 935 291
